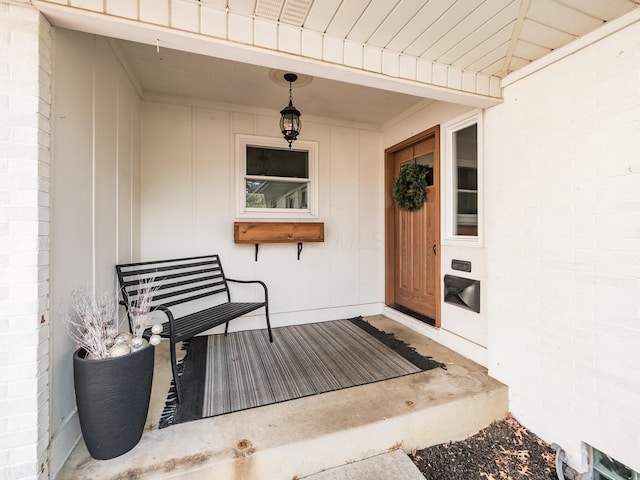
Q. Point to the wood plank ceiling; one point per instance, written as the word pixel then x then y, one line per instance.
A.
pixel 493 37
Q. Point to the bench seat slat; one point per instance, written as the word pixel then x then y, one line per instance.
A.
pixel 198 322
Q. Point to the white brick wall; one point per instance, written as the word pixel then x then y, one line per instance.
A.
pixel 562 167
pixel 25 73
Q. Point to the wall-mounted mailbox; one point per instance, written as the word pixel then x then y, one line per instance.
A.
pixel 464 292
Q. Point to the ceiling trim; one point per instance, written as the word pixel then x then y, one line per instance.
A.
pixel 515 36
pixel 313 54
pixel 122 58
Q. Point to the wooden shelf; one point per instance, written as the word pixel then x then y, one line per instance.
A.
pixel 278 232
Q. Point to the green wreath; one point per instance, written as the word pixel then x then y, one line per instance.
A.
pixel 410 192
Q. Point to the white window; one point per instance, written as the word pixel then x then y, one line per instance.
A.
pixel 273 181
pixel 462 147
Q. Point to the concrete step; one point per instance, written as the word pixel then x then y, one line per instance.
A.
pixel 395 465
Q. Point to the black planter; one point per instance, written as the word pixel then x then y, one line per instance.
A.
pixel 113 400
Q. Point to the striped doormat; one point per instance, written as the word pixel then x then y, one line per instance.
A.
pixel 243 370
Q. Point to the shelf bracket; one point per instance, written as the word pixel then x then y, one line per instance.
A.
pixel 256 259
pixel 299 249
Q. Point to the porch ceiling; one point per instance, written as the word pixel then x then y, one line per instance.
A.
pixel 487 38
pixel 494 37
pixel 173 72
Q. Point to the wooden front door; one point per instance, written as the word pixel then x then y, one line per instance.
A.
pixel 413 238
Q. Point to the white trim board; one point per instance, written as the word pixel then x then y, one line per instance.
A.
pixel 63 443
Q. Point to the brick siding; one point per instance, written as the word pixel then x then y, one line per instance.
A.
pixel 25 81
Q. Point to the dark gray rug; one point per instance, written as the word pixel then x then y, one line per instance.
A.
pixel 243 370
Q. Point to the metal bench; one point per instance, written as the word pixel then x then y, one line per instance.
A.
pixel 194 280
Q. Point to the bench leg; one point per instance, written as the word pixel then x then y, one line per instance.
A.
pixel 266 309
pixel 226 328
pixel 174 369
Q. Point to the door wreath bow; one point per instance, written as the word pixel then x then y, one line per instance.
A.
pixel 410 192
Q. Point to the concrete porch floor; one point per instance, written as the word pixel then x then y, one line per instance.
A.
pixel 305 436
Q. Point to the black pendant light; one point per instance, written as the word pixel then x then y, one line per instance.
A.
pixel 290 116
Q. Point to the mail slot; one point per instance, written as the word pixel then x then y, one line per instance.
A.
pixel 463 292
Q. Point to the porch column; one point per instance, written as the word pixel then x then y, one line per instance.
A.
pixel 25 104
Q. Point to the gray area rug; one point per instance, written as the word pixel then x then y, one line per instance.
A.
pixel 222 374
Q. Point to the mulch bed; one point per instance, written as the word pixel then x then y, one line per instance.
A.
pixel 503 450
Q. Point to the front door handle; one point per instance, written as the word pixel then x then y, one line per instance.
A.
pixel 434 248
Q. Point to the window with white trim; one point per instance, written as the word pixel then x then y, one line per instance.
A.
pixel 274 181
pixel 462 147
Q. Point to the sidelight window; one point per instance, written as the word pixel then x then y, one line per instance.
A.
pixel 463 175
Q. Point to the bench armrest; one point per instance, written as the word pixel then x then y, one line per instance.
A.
pixel 169 315
pixel 252 281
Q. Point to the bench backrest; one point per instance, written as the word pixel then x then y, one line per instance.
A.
pixel 174 281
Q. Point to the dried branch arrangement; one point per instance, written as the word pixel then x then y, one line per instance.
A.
pixel 95 321
pixel 94 327
pixel 140 305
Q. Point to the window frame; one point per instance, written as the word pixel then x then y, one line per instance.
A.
pixel 449 177
pixel 242 211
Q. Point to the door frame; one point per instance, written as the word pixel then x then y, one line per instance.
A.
pixel 389 216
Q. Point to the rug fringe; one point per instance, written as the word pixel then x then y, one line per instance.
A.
pixel 402 348
pixel 171 405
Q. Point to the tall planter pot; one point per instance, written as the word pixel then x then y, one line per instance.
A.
pixel 113 395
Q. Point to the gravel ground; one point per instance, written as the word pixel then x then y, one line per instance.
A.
pixel 503 450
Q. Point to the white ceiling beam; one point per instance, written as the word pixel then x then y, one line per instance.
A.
pixel 515 36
